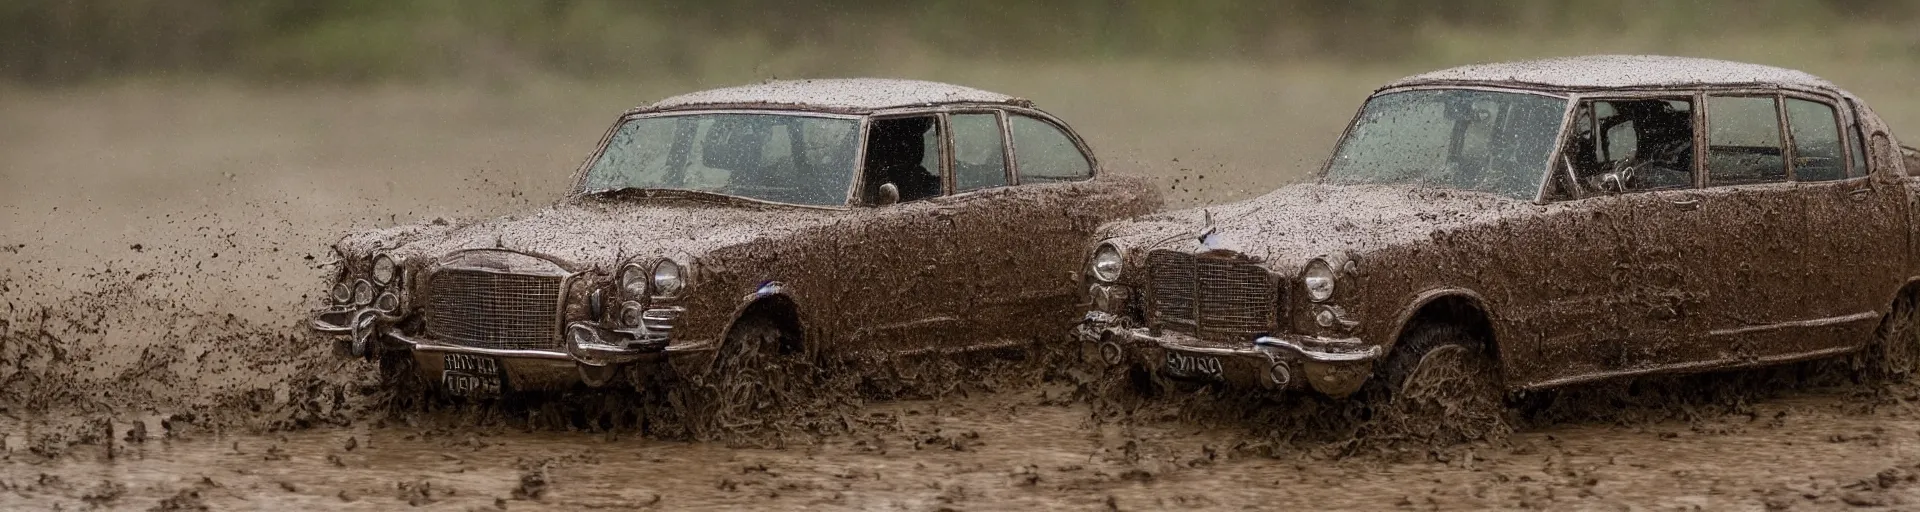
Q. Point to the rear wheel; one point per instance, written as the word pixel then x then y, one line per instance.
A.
pixel 1895 351
pixel 1444 386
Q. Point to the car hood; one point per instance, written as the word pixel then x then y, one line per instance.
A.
pixel 1289 226
pixel 585 233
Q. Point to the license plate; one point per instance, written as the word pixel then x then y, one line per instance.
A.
pixel 470 375
pixel 1192 365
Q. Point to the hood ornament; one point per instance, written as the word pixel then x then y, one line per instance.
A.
pixel 1209 238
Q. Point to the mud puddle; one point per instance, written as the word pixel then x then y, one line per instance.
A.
pixel 1000 452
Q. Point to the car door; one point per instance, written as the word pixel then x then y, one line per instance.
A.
pixel 1855 237
pixel 1627 242
pixel 895 262
pixel 1028 211
pixel 1753 268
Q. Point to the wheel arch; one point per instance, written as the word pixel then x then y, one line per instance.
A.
pixel 1459 306
pixel 773 302
pixel 1908 288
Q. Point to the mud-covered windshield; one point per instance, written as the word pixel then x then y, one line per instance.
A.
pixel 1466 139
pixel 784 158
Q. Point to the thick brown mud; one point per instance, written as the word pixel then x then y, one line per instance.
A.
pixel 152 357
pixel 1012 450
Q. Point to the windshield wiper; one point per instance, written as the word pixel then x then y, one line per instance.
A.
pixel 660 192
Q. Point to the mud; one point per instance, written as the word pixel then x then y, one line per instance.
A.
pixel 1576 290
pixel 1010 450
pixel 152 358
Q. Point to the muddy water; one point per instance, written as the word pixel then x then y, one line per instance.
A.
pixel 1813 450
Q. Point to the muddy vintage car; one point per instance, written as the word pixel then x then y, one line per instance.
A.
pixel 790 220
pixel 1535 224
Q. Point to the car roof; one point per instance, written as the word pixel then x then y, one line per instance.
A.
pixel 1620 72
pixel 844 95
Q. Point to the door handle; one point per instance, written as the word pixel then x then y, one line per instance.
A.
pixel 1859 194
pixel 1686 204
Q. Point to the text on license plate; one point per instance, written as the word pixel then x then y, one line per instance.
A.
pixel 470 375
pixel 1191 365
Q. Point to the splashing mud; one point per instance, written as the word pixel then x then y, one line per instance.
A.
pixel 151 358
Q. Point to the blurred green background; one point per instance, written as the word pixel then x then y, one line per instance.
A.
pixel 270 127
pixel 384 102
pixel 63 41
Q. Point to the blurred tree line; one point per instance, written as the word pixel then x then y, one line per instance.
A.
pixel 63 41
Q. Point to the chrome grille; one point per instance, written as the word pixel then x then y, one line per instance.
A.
pixel 494 310
pixel 1211 297
pixel 1173 281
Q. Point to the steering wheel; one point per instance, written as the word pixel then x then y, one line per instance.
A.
pixel 1626 172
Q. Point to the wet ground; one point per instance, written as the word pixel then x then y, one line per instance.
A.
pixel 1812 450
pixel 158 245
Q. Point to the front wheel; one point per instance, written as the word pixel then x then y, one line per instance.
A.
pixel 1443 386
pixel 756 381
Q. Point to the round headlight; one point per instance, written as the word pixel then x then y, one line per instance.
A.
pixel 342 293
pixel 1318 280
pixel 384 270
pixel 362 292
pixel 633 282
pixel 388 302
pixel 666 279
pixel 1106 264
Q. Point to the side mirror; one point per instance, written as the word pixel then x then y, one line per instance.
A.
pixel 889 194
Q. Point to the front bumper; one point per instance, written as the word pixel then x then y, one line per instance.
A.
pixel 1334 366
pixel 588 353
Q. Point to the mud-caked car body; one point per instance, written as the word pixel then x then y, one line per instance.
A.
pixel 810 219
pixel 1561 221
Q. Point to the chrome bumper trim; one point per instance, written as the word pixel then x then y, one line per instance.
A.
pixel 332 321
pixel 1097 325
pixel 423 344
pixel 1313 348
pixel 593 345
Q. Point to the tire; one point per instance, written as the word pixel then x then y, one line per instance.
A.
pixel 1895 350
pixel 1443 386
pixel 400 377
pixel 757 379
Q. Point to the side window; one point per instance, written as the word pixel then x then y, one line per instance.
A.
pixel 1044 154
pixel 1645 144
pixel 1816 141
pixel 979 152
pixel 903 151
pixel 1743 141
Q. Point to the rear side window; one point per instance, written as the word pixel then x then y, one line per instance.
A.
pixel 979 153
pixel 1043 153
pixel 1743 141
pixel 1816 141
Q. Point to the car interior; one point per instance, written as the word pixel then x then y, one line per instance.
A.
pixel 1644 144
pixel 906 153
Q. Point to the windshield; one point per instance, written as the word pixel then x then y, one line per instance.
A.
pixel 1465 139
pixel 783 158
